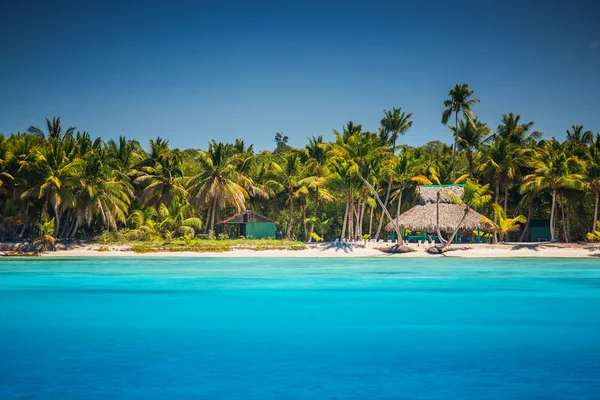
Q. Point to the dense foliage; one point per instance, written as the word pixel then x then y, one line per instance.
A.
pixel 62 184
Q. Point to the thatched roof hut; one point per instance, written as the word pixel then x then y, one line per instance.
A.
pixel 423 216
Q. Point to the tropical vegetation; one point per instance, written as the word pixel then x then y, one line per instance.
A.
pixel 60 184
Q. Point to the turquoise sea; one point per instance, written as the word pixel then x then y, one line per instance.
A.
pixel 393 328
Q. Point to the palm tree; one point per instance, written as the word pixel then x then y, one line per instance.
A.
pixel 501 162
pixel 163 181
pixel 578 140
pixel 592 174
pixel 286 178
pixel 104 192
pixel 393 123
pixel 505 225
pixel 57 176
pixel 344 181
pixel 459 101
pixel 553 170
pixel 404 169
pixel 474 196
pixel 316 153
pixel 54 130
pixel 511 129
pixel 219 183
pixel 471 135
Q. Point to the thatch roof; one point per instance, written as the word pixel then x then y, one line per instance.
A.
pixel 428 193
pixel 423 218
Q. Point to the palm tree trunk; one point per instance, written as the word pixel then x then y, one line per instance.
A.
pixel 451 239
pixel 371 217
pixel 470 159
pixel 564 221
pixel 529 211
pixel 597 192
pixel 351 220
pixel 399 203
pixel 56 222
pixel 75 227
pixel 288 234
pixel 454 149
pixel 385 210
pixel 506 200
pixel 437 221
pixel 312 226
pixel 26 213
pixel 304 219
pixel 497 196
pixel 343 234
pixel 362 216
pixel 552 227
pixel 385 203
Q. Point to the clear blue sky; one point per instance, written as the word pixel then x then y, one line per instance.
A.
pixel 192 71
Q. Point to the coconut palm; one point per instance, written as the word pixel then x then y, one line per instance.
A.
pixel 471 135
pixel 578 140
pixel 474 196
pixel 218 184
pixel 394 122
pixel 460 101
pixel 553 170
pixel 286 178
pixel 500 163
pixel 512 130
pixel 54 130
pixel 592 174
pixel 316 153
pixel 505 225
pixel 162 182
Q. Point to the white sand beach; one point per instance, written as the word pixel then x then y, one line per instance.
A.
pixel 558 250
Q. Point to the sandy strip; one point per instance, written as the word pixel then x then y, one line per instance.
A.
pixel 325 250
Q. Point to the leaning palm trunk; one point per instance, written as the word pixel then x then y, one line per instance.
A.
pixel 451 239
pixel 78 221
pixel 384 207
pixel 526 229
pixel 371 217
pixel 443 241
pixel 552 212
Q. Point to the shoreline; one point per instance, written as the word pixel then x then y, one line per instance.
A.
pixel 503 250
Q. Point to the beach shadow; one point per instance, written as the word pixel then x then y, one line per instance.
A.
pixel 528 246
pixel 346 248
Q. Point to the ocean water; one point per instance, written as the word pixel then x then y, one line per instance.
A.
pixel 181 328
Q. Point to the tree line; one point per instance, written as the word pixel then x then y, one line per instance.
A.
pixel 82 187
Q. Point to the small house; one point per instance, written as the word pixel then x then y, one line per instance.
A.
pixel 248 224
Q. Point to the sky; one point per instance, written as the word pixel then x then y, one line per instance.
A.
pixel 195 71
